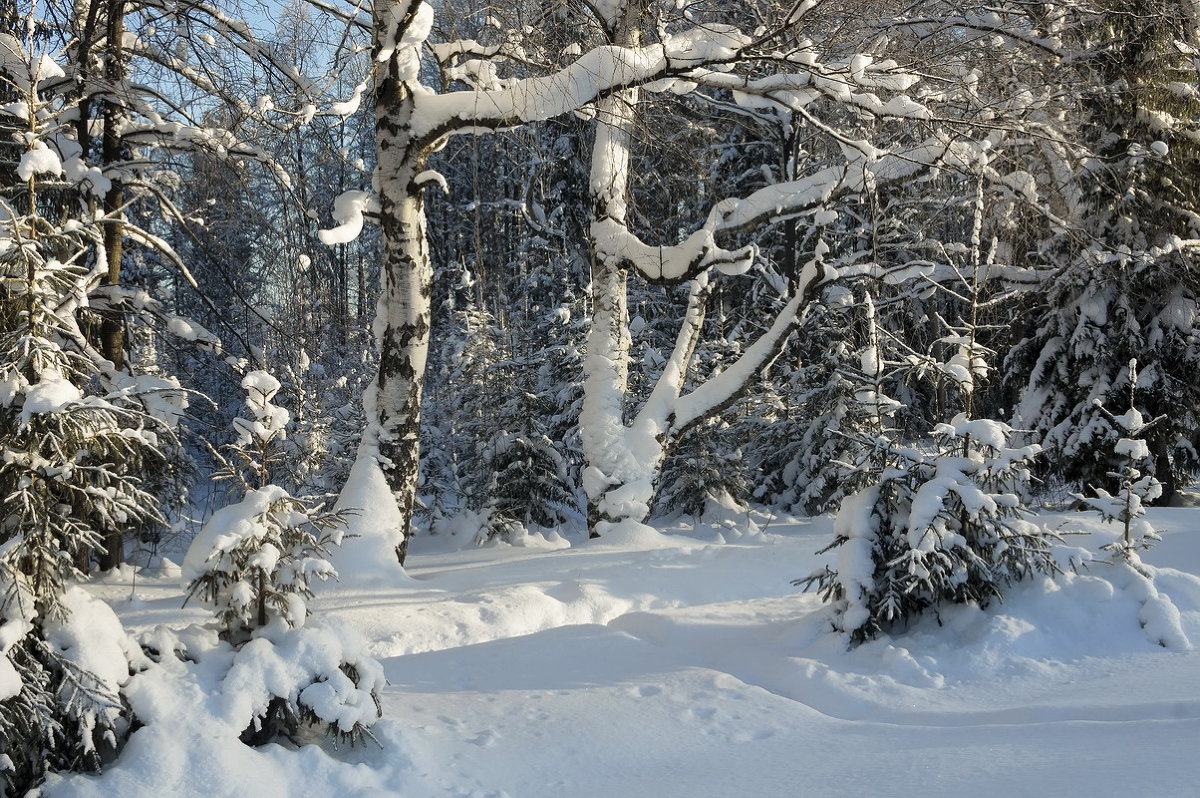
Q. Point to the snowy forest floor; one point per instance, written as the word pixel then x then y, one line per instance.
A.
pixel 688 665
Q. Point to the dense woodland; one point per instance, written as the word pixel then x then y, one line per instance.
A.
pixel 575 266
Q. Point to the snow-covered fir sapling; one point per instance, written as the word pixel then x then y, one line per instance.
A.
pixel 253 563
pixel 258 448
pixel 528 484
pixel 705 471
pixel 1127 505
pixel 940 524
pixel 1158 615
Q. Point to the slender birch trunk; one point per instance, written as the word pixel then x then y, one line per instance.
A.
pixel 403 317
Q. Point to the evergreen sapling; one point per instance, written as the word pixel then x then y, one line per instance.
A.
pixel 252 564
pixel 1158 616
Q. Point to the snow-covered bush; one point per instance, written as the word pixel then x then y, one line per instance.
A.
pixel 939 527
pixel 61 682
pixel 253 561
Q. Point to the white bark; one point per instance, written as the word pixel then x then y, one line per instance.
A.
pixel 402 323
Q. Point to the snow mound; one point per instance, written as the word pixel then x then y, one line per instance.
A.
pixel 632 534
pixel 367 556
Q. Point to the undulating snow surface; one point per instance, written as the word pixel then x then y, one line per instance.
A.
pixel 684 664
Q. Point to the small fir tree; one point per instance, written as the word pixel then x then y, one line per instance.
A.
pixel 705 469
pixel 253 563
pixel 529 482
pixel 1136 489
pixel 1158 616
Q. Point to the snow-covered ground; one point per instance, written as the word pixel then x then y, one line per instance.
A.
pixel 689 666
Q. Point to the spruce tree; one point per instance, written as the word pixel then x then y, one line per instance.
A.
pixel 71 452
pixel 1123 281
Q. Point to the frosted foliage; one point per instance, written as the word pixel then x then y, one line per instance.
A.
pixel 253 560
pixel 39 159
pixel 935 529
pixel 269 422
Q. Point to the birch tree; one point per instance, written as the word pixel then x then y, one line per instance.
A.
pixel 624 458
pixel 413 120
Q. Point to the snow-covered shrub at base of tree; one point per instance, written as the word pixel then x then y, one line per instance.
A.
pixel 252 564
pixel 1158 616
pixel 704 473
pixel 322 673
pixel 277 683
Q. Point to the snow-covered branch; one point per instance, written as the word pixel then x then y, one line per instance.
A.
pixel 595 75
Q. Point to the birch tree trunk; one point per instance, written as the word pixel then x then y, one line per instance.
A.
pixel 611 467
pixel 402 323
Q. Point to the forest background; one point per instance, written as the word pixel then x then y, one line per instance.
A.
pixel 561 268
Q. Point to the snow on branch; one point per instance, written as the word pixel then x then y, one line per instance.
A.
pixel 716 393
pixel 594 75
pixel 348 210
pixel 808 195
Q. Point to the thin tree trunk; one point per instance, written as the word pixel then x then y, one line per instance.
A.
pixel 112 322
